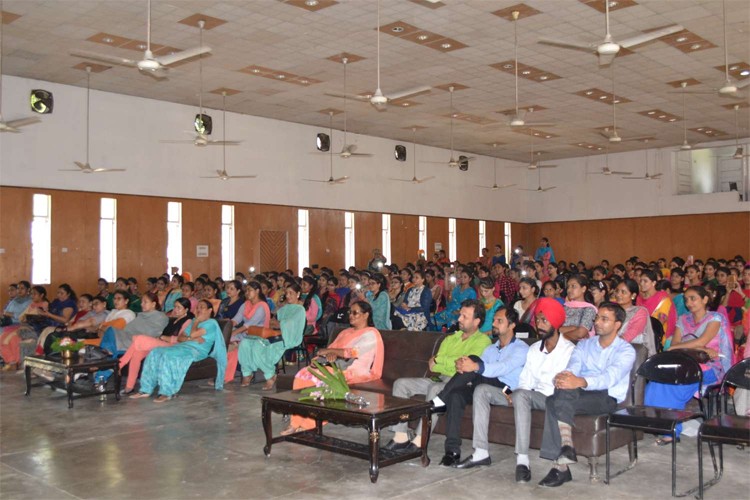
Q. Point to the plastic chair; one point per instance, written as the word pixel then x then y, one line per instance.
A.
pixel 724 429
pixel 670 367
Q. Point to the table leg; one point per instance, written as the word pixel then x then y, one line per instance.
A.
pixel 69 388
pixel 266 417
pixel 426 428
pixel 319 426
pixel 374 451
pixel 118 381
pixel 27 374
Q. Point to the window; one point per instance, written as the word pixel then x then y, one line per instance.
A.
pixel 387 235
pixel 452 239
pixel 482 236
pixel 712 170
pixel 423 234
pixel 227 242
pixel 41 240
pixel 174 235
pixel 303 240
pixel 508 242
pixel 349 239
pixel 108 239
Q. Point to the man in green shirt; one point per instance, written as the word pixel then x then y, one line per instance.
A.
pixel 467 341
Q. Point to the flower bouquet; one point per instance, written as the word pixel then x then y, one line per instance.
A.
pixel 66 346
pixel 334 386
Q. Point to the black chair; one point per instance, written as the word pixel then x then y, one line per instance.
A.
pixel 673 368
pixel 658 329
pixel 299 351
pixel 724 429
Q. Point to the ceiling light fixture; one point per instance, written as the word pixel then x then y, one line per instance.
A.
pixel 305 81
pixel 602 97
pixel 662 116
pixel 107 39
pixel 543 77
pixel 652 112
pixel 681 39
pixel 256 71
pixel 311 3
pixel 695 46
pixel 397 29
pixel 508 66
pixel 446 46
pixel 280 77
pixel 422 37
pixel 142 46
pixel 406 104
pixel 733 68
pixel 589 92
pixel 526 72
pixel 745 72
pixel 673 119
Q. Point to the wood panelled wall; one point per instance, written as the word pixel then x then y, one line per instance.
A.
pixel 142 236
pixel 702 235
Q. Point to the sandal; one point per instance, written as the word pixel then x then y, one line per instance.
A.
pixel 270 384
pixel 162 398
pixel 139 395
pixel 209 383
pixel 292 430
pixel 246 381
pixel 665 441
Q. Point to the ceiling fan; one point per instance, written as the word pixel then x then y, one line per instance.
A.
pixel 518 120
pixel 149 65
pixel 331 181
pixel 613 136
pixel 539 189
pixel 685 146
pixel 738 152
pixel 534 164
pixel 494 185
pixel 606 170
pixel 201 139
pixel 347 150
pixel 728 87
pixel 11 125
pixel 378 99
pixel 222 174
pixel 414 179
pixel 453 162
pixel 85 168
pixel 647 176
pixel 608 48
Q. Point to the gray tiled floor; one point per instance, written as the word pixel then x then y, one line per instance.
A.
pixel 206 444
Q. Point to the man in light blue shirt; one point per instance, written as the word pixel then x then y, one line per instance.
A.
pixel 482 380
pixel 595 381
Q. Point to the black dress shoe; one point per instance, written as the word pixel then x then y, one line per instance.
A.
pixel 437 410
pixel 523 474
pixel 450 459
pixel 469 463
pixel 394 446
pixel 555 478
pixel 567 456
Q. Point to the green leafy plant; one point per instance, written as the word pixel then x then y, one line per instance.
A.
pixel 66 344
pixel 334 383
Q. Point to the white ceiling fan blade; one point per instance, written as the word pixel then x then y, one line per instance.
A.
pixel 636 139
pixel 316 180
pixel 177 141
pixel 424 179
pixel 402 94
pixel 182 55
pixel 434 162
pixel 82 166
pixel 348 96
pixel 583 46
pixel 655 176
pixel 243 176
pixel 616 172
pixel 548 189
pixel 642 38
pixel 103 58
pixel 157 74
pixel 361 154
pixel 539 124
pixel 400 180
pixel 532 190
pixel 223 143
pixel 635 178
pixel 210 177
pixel 546 166
pixel 103 170
pixel 22 122
pixel 68 170
pixel 340 180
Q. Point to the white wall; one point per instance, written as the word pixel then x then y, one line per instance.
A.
pixel 125 132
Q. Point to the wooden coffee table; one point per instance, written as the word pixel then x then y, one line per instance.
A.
pixel 383 411
pixel 68 368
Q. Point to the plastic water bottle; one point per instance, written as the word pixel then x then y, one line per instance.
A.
pixel 100 385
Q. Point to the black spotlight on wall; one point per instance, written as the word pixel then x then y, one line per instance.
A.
pixel 400 152
pixel 41 101
pixel 463 163
pixel 323 142
pixel 203 124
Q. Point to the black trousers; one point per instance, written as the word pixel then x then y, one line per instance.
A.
pixel 456 395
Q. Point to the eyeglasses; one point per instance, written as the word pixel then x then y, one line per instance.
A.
pixel 355 313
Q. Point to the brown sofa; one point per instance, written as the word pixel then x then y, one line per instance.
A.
pixel 406 355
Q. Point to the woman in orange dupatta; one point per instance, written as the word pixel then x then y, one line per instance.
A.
pixel 361 344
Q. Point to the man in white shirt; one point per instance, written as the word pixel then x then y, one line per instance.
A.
pixel 545 359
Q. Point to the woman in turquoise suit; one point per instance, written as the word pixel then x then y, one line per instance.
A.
pixel 166 367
